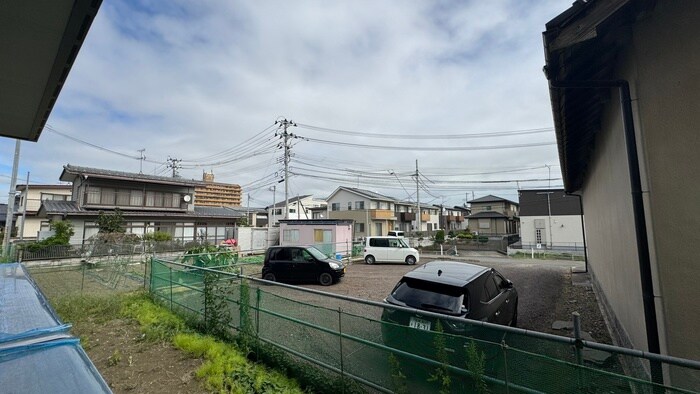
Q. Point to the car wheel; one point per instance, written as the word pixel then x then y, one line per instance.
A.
pixel 410 260
pixel 325 279
pixel 514 320
pixel 370 259
pixel 270 276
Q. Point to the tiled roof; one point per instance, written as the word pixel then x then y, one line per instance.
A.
pixel 98 172
pixel 487 215
pixel 369 194
pixel 491 198
pixel 56 207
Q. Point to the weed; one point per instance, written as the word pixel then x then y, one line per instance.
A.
pixel 398 379
pixel 79 308
pixel 441 375
pixel 115 358
pixel 157 323
pixel 226 369
pixel 476 364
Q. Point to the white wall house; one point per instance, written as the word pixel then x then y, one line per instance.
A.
pixel 30 200
pixel 299 208
pixel 551 219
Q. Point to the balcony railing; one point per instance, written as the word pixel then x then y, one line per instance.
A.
pixel 407 216
pixel 382 214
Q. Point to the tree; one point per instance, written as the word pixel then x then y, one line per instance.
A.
pixel 111 223
pixel 440 237
pixel 63 230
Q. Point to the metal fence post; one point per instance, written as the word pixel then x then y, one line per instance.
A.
pixel 171 287
pixel 504 346
pixel 82 281
pixel 579 355
pixel 257 321
pixel 340 343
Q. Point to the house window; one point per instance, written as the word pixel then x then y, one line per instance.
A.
pixel 292 210
pixel 136 198
pixel 107 196
pixel 359 227
pixel 349 205
pixel 93 195
pixel 359 205
pixel 52 196
pixel 335 206
pixel 484 223
pixel 278 211
pixel 488 207
pixel 323 236
pixel 291 235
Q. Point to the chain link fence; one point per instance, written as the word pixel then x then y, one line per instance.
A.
pixel 354 340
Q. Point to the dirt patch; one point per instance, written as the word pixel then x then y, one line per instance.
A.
pixel 130 364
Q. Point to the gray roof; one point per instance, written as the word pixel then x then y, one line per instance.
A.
pixel 69 172
pixel 488 215
pixel 71 208
pixel 491 198
pixel 292 199
pixel 367 193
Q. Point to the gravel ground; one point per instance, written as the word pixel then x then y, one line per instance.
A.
pixel 544 287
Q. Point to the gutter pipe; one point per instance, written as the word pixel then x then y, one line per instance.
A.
pixel 645 271
pixel 583 230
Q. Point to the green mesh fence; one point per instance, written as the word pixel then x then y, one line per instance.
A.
pixel 358 340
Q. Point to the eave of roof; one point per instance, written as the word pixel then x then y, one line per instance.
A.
pixel 40 42
pixel 582 44
pixel 71 208
pixel 487 214
pixel 364 193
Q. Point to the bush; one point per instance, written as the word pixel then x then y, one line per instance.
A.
pixel 465 236
pixel 158 236
pixel 440 237
pixel 63 230
pixel 451 234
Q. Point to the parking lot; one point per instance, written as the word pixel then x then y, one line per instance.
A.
pixel 544 288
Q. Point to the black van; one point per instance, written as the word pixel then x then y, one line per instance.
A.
pixel 301 264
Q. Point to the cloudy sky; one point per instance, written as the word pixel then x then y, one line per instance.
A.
pixel 373 86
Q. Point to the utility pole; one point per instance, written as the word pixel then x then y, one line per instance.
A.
pixel 11 202
pixel 247 213
pixel 24 209
pixel 418 224
pixel 174 164
pixel 142 157
pixel 273 189
pixel 286 136
pixel 549 217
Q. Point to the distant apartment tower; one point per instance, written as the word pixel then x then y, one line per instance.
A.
pixel 215 194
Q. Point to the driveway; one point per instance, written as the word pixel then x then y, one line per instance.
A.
pixel 540 283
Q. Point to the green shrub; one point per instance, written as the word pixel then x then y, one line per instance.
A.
pixel 63 231
pixel 483 239
pixel 111 222
pixel 158 236
pixel 440 237
pixel 157 323
pixel 451 234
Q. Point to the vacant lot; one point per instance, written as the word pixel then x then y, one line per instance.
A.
pixel 544 289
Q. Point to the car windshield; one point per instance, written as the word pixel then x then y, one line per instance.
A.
pixel 316 253
pixel 403 243
pixel 429 296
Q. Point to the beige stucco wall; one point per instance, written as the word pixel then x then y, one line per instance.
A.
pixel 662 64
pixel 566 230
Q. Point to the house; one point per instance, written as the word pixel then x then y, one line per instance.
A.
pixel 299 208
pixel 216 194
pixel 30 199
pixel 452 218
pixel 148 203
pixel 407 220
pixel 373 213
pixel 624 86
pixel 492 215
pixel 330 236
pixel 549 218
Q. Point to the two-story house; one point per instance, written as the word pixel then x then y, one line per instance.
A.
pixel 550 218
pixel 492 215
pixel 148 203
pixel 372 212
pixel 452 218
pixel 407 219
pixel 299 208
pixel 29 200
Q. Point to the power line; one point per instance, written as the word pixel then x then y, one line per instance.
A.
pixel 428 135
pixel 433 148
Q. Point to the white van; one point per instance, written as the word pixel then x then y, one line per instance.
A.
pixel 389 249
pixel 396 233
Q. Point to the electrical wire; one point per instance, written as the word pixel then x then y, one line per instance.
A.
pixel 428 135
pixel 431 148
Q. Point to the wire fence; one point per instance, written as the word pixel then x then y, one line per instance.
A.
pixel 357 341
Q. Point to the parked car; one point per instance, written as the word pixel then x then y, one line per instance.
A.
pixel 454 289
pixel 396 233
pixel 389 250
pixel 460 290
pixel 301 264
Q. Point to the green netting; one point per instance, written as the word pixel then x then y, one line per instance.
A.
pixel 353 339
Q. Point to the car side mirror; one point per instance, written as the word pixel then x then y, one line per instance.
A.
pixel 507 284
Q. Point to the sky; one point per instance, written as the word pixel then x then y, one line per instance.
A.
pixel 372 86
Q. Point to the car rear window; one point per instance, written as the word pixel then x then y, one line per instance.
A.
pixel 429 296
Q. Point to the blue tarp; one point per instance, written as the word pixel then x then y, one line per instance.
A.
pixel 37 354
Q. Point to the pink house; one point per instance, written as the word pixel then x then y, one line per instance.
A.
pixel 331 236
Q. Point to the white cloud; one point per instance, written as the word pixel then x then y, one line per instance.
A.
pixel 193 78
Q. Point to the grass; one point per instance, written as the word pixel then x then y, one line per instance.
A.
pixel 226 368
pixel 548 256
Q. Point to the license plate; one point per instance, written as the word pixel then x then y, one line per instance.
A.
pixel 419 324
